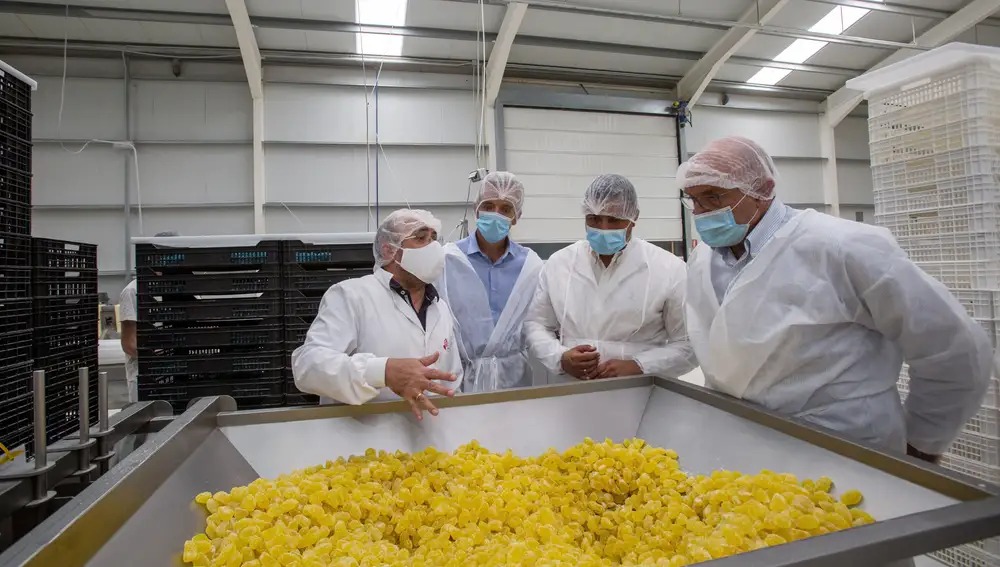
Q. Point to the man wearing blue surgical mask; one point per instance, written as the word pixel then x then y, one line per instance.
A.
pixel 811 316
pixel 613 304
pixel 488 282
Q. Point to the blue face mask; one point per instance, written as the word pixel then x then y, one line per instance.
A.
pixel 494 227
pixel 606 242
pixel 719 229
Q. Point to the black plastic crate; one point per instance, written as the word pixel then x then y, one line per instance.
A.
pixel 14 119
pixel 301 305
pixel 186 285
pixel 64 310
pixel 265 389
pixel 15 348
pixel 63 254
pixel 62 411
pixel 15 185
pixel 169 259
pixel 343 255
pixel 15 94
pixel 224 364
pixel 294 396
pixel 15 381
pixel 295 335
pixel 15 315
pixel 15 152
pixel 15 218
pixel 267 305
pixel 249 337
pixel 16 416
pixel 64 340
pixel 64 367
pixel 15 282
pixel 62 282
pixel 317 281
pixel 15 250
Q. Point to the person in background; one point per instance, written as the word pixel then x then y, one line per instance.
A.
pixel 613 304
pixel 812 316
pixel 128 315
pixel 488 283
pixel 386 335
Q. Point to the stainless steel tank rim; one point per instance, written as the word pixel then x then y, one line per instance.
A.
pixel 74 534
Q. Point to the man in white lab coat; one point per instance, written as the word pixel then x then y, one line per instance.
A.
pixel 613 304
pixel 488 283
pixel 386 335
pixel 812 316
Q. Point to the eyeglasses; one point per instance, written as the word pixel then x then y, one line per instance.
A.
pixel 709 202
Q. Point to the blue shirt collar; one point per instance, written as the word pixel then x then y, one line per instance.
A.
pixel 472 247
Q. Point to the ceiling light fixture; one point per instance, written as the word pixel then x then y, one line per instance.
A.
pixel 381 13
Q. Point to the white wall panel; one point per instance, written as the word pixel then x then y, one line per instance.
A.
pixel 352 219
pixel 781 134
pixel 192 111
pixel 851 138
pixel 196 221
pixel 95 176
pixel 105 228
pixel 336 174
pixel 181 174
pixel 801 181
pixel 336 115
pixel 92 108
pixel 854 180
pixel 557 153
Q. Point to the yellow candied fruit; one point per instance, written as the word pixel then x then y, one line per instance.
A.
pixel 597 504
pixel 851 498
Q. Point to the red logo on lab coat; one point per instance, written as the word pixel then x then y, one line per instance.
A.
pixel 446 344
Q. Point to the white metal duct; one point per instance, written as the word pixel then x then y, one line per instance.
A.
pixel 557 153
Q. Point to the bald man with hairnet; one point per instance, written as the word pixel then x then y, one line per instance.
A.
pixel 613 304
pixel 488 283
pixel 812 316
pixel 387 335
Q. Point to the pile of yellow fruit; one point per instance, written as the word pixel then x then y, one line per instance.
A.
pixel 593 504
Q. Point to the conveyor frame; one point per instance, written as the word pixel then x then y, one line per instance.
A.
pixel 77 533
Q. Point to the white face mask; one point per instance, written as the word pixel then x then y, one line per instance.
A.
pixel 426 264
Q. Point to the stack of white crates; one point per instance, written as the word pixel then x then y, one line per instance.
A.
pixel 934 135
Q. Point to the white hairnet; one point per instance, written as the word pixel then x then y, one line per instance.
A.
pixel 731 163
pixel 397 227
pixel 504 186
pixel 611 195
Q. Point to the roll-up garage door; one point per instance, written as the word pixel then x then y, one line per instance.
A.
pixel 557 153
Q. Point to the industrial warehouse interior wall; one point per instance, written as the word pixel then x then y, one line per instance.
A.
pixel 193 141
pixel 793 140
pixel 322 177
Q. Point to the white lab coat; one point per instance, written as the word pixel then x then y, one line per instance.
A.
pixel 494 356
pixel 818 323
pixel 633 310
pixel 361 323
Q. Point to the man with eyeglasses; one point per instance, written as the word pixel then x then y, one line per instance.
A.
pixel 811 315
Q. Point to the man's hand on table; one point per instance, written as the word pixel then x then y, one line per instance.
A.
pixel 409 378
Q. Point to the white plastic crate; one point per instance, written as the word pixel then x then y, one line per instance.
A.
pixel 952 108
pixel 976 470
pixel 990 400
pixel 980 160
pixel 991 546
pixel 977 448
pixel 929 76
pixel 938 194
pixel 967 555
pixel 985 422
pixel 980 303
pixel 964 275
pixel 927 142
pixel 958 247
pixel 980 217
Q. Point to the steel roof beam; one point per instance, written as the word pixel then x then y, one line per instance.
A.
pixel 898 9
pixel 701 73
pixel 501 50
pixel 841 103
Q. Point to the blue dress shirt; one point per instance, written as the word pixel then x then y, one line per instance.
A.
pixel 498 278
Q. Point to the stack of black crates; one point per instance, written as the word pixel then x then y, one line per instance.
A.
pixel 210 323
pixel 15 261
pixel 222 315
pixel 64 286
pixel 309 270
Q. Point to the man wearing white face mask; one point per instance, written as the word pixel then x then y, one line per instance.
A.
pixel 488 283
pixel 613 304
pixel 811 315
pixel 386 335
